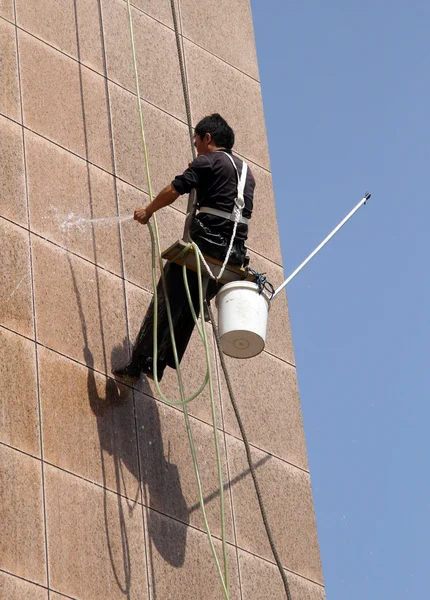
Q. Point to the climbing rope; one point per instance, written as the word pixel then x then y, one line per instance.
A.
pixel 156 245
pixel 261 281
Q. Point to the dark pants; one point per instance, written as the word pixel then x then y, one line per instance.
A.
pixel 210 242
pixel 183 322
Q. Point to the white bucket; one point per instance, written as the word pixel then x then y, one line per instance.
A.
pixel 242 318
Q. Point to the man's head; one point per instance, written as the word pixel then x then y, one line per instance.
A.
pixel 212 133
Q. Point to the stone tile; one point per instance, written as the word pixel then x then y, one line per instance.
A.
pixel 201 23
pixel 52 22
pixel 287 497
pixel 9 91
pixel 88 424
pixel 19 416
pixel 96 544
pixel 22 543
pixel 76 116
pixel 16 310
pixel 80 309
pixel 169 477
pixel 278 338
pixel 6 10
pixel 12 588
pixel 257 574
pixel 166 159
pixel 268 399
pixel 56 23
pixel 65 191
pixel 12 176
pixel 180 559
pixel 156 53
pixel 218 87
pixel 263 227
pixel 159 9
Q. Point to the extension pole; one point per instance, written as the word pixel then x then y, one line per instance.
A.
pixel 323 243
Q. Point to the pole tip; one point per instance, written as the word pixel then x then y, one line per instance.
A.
pixel 367 195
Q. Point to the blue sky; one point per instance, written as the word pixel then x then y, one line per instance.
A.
pixel 346 89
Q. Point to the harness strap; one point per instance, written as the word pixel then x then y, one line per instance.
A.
pixel 222 213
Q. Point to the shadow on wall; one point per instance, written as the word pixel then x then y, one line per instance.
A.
pixel 120 417
pixel 159 478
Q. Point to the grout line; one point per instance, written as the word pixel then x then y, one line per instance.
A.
pixel 33 301
pixel 43 587
pixel 270 562
pixel 3 18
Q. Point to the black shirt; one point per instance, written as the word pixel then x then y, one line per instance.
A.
pixel 215 180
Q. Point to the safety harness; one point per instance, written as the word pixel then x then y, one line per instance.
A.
pixel 239 202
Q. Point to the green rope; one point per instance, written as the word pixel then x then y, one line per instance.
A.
pixel 156 246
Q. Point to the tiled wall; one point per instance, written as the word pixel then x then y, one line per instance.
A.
pixel 98 497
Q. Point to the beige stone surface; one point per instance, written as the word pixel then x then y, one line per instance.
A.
pixel 12 176
pixel 166 159
pixel 52 22
pixel 231 40
pixel 56 24
pixel 257 574
pixel 158 9
pixel 287 497
pixel 167 466
pixel 13 588
pixel 64 101
pixel 80 308
pixel 88 424
pixel 156 52
pixel 22 541
pixel 6 9
pixel 180 560
pixel 64 193
pixel 16 310
pixel 96 544
pixel 278 337
pixel 267 395
pixel 19 414
pixel 9 90
pixel 213 84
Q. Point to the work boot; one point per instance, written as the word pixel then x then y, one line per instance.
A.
pixel 148 368
pixel 129 374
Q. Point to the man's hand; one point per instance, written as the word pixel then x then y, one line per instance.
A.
pixel 142 214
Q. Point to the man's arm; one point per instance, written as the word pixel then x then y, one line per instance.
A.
pixel 167 195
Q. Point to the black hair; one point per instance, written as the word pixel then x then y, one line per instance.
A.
pixel 221 132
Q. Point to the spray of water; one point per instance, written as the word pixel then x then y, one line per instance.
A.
pixel 82 223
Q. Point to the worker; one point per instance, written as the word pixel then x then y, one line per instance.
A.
pixel 215 175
